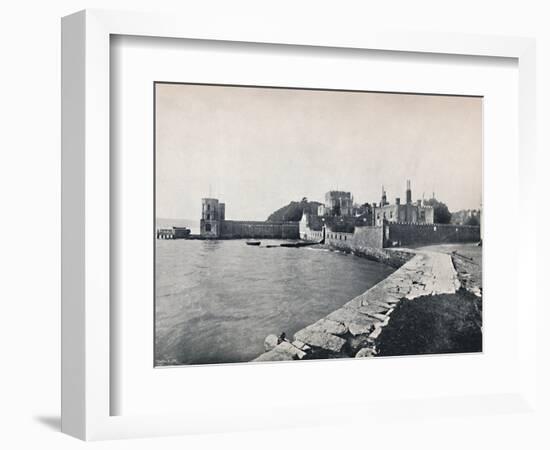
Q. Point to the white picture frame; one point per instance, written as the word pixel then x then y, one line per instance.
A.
pixel 86 326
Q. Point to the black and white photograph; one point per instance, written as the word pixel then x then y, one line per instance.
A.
pixel 251 225
pixel 296 224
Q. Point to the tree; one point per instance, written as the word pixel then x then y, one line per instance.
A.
pixel 441 211
pixel 293 211
pixel 472 220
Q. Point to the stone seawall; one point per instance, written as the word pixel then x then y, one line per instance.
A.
pixel 415 234
pixel 391 257
pixel 238 229
pixel 353 330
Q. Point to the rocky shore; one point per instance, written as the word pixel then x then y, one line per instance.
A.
pixel 355 329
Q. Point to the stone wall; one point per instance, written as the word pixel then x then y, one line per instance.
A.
pixel 404 234
pixel 235 229
pixel 369 237
pixel 362 237
pixel 391 234
pixel 335 237
pixel 354 329
pixel 391 257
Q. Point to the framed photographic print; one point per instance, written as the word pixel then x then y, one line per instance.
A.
pixel 308 163
pixel 253 216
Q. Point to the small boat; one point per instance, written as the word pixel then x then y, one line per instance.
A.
pixel 297 244
pixel 253 242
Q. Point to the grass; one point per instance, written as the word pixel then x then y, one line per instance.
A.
pixel 434 324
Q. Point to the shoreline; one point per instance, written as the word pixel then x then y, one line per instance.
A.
pixel 354 330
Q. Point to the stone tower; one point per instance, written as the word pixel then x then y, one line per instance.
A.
pixel 212 215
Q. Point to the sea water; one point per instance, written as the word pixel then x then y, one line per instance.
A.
pixel 217 300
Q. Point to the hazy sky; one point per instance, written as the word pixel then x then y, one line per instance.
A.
pixel 256 149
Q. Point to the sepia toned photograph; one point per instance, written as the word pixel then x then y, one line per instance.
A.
pixel 298 224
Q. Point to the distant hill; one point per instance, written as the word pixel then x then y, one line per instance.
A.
pixel 293 211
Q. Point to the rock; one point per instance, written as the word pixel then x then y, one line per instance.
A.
pixel 380 303
pixel 275 355
pixel 289 348
pixel 357 329
pixel 381 317
pixel 380 293
pixel 356 343
pixel 325 341
pixel 376 332
pixel 285 351
pixel 366 352
pixel 371 309
pixel 348 315
pixel 270 342
pixel 356 322
pixel 329 326
pixel 301 345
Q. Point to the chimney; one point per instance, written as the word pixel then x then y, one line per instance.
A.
pixel 409 193
pixel 397 201
pixel 384 198
pixel 419 203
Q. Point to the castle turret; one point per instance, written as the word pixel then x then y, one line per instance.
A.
pixel 211 217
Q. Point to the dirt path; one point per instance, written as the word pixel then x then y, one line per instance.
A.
pixel 467 260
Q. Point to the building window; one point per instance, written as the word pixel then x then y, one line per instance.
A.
pixel 207 227
pixel 208 217
pixel 208 207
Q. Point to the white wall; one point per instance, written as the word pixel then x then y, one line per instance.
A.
pixel 29 177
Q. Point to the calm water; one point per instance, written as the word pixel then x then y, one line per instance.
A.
pixel 216 301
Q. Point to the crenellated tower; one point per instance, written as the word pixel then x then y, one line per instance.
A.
pixel 213 213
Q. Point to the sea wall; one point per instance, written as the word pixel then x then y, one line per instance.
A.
pixel 391 234
pixel 365 242
pixel 362 237
pixel 353 329
pixel 404 234
pixel 391 257
pixel 235 229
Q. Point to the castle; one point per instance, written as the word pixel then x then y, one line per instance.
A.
pixel 339 219
pixel 340 222
pixel 409 212
pixel 337 203
pixel 339 208
pixel 213 225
